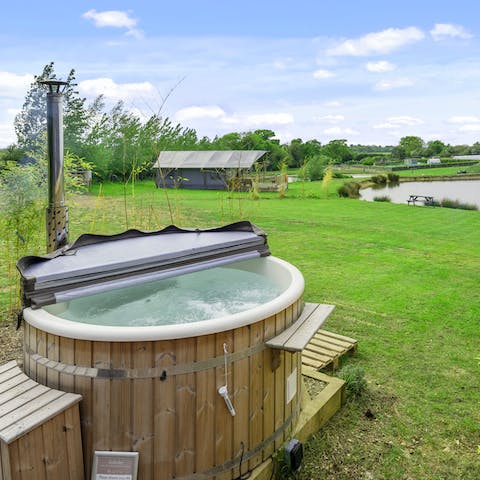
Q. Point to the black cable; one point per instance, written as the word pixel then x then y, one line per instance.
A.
pixel 240 475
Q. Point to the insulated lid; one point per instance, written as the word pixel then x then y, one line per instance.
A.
pixel 96 263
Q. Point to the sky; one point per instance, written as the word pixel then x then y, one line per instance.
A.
pixel 370 72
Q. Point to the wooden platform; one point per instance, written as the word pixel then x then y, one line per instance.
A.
pixel 40 436
pixel 325 349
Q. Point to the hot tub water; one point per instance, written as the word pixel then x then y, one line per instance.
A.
pixel 197 296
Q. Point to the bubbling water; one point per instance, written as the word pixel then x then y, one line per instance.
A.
pixel 203 295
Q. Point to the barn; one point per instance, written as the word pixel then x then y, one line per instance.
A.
pixel 206 169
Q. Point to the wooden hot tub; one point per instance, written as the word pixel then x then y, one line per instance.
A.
pixel 154 389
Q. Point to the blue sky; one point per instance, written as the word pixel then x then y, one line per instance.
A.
pixel 367 71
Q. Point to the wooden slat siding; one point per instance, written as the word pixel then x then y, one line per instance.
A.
pixel 26 348
pixel 32 449
pixel 121 410
pixel 337 336
pixel 268 388
pixel 256 393
pixel 288 366
pixel 101 397
pixel 5 464
pixel 53 353
pixel 32 342
pixel 56 459
pixel 350 343
pixel 307 330
pixel 15 386
pixel 283 335
pixel 6 367
pixel 279 382
pixel 223 418
pixel 185 399
pixel 142 441
pixel 67 356
pixel 41 350
pixel 73 442
pixel 83 358
pixel 165 413
pixel 18 401
pixel 205 408
pixel 318 345
pixel 16 413
pixel 240 397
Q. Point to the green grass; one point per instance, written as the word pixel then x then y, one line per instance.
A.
pixel 432 171
pixel 406 285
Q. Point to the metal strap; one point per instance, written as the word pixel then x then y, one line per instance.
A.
pixel 138 373
pixel 247 455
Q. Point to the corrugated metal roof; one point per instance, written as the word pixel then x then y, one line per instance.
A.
pixel 208 159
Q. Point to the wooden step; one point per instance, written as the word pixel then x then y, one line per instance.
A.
pixel 296 337
pixel 326 348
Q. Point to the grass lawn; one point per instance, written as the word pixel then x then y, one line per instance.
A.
pixel 406 285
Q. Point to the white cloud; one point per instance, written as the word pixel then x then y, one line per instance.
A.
pixel 381 66
pixel 283 63
pixel 115 19
pixel 443 30
pixel 395 122
pixel 464 119
pixel 333 104
pixel 110 18
pixel 382 42
pixel 321 74
pixel 406 120
pixel 475 127
pixel 117 91
pixel 270 119
pixel 340 131
pixel 395 83
pixel 13 85
pixel 330 118
pixel 195 112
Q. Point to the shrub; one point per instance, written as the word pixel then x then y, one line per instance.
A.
pixel 448 203
pixel 382 198
pixel 379 179
pixel 354 377
pixel 393 177
pixel 349 190
pixel 315 167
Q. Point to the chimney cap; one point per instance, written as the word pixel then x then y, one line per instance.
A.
pixel 54 86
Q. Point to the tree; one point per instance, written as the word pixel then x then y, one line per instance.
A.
pixel 296 153
pixel 434 147
pixel 31 123
pixel 412 145
pixel 338 151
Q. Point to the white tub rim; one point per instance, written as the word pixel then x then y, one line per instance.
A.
pixel 292 279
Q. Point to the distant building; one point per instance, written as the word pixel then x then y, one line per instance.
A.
pixel 411 162
pixel 205 169
pixel 434 161
pixel 466 157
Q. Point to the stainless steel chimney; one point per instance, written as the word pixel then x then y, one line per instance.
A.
pixel 57 212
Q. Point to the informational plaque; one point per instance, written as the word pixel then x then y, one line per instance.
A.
pixel 115 466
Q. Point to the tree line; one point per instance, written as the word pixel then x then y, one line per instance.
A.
pixel 117 143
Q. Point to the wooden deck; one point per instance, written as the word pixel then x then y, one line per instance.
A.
pixel 325 349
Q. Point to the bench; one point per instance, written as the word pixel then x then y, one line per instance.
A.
pixel 296 337
pixel 426 199
pixel 40 435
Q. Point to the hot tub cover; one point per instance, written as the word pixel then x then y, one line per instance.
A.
pixel 97 263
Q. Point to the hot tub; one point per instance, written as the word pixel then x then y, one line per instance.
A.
pixel 155 388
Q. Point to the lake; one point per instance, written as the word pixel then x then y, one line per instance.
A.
pixel 466 191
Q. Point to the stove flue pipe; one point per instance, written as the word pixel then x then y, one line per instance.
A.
pixel 57 212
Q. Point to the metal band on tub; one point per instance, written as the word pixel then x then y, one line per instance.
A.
pixel 137 373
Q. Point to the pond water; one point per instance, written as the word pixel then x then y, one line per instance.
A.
pixel 466 191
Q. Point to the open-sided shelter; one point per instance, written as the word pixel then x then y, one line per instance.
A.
pixel 206 169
